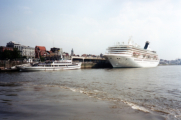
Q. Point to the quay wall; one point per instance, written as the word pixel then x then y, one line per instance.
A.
pixel 88 64
pixel 8 64
pixel 92 62
pixel 96 65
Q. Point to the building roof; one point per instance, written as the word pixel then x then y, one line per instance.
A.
pixel 12 42
pixel 5 47
pixel 41 48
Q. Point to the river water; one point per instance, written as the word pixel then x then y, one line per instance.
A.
pixel 155 91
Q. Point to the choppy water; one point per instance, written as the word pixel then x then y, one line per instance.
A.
pixel 151 90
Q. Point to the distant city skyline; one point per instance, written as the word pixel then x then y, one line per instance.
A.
pixel 89 27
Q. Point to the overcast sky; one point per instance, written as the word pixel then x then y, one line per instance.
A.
pixel 90 26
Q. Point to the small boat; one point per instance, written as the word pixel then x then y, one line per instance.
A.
pixel 52 66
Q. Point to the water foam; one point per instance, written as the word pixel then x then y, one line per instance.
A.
pixel 134 106
pixel 72 89
pixel 96 90
pixel 96 94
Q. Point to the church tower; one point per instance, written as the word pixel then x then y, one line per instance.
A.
pixel 72 52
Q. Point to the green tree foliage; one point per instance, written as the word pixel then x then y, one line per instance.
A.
pixel 42 58
pixel 8 54
pixel 16 53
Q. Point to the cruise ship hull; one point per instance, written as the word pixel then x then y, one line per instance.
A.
pixel 130 62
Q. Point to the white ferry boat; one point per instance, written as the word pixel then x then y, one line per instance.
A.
pixel 52 66
pixel 129 55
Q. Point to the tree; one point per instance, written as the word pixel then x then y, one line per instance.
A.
pixel 8 54
pixel 16 53
pixel 42 58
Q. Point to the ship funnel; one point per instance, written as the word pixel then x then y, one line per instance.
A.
pixel 146 44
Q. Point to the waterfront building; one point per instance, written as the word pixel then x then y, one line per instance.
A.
pixel 89 55
pixel 56 50
pixel 84 55
pixel 2 48
pixel 54 54
pixel 65 56
pixel 170 62
pixel 28 52
pixel 12 44
pixel 40 51
pixel 25 51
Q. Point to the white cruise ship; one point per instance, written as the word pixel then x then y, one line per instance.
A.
pixel 129 55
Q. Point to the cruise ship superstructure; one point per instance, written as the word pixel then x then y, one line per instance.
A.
pixel 129 55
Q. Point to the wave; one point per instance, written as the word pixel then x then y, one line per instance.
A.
pixel 10 84
pixel 101 95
